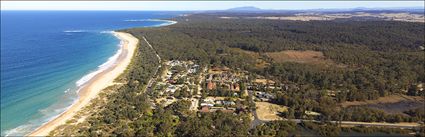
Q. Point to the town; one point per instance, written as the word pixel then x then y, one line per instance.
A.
pixel 218 88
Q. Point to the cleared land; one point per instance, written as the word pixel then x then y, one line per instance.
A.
pixel 308 56
pixel 264 81
pixel 268 111
pixel 405 17
pixel 390 104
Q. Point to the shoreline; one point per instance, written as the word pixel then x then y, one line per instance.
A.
pixel 95 85
pixel 167 22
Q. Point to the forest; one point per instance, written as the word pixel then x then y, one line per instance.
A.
pixel 372 59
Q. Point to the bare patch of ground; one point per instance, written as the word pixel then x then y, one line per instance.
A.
pixel 390 104
pixel 264 81
pixel 218 70
pixel 308 56
pixel 405 17
pixel 268 111
pixel 215 98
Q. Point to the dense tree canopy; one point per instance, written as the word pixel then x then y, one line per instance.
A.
pixel 372 59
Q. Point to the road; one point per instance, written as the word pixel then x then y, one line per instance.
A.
pixel 155 75
pixel 257 122
pixel 152 80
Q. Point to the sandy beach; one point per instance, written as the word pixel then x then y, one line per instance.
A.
pixel 91 89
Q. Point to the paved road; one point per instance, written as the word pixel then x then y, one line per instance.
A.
pixel 257 122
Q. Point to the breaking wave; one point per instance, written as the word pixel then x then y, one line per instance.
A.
pixel 74 31
pixel 111 61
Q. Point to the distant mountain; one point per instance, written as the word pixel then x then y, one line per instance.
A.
pixel 252 9
pixel 247 8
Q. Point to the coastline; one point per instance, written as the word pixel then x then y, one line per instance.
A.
pixel 96 84
pixel 166 22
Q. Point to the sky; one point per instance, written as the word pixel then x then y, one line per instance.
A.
pixel 198 5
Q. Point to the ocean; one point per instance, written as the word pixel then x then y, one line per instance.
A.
pixel 47 55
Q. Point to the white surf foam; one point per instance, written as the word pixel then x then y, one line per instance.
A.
pixel 166 22
pixel 19 130
pixel 136 20
pixel 111 61
pixel 57 109
pixel 107 31
pixel 48 114
pixel 74 31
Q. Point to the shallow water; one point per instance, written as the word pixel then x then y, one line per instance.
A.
pixel 47 55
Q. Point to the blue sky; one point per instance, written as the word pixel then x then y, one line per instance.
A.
pixel 199 5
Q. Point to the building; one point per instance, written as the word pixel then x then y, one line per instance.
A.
pixel 205 109
pixel 211 85
pixel 235 87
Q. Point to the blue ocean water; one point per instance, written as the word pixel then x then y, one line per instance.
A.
pixel 44 54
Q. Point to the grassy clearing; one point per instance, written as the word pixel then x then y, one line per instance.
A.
pixel 268 111
pixel 395 104
pixel 383 100
pixel 308 56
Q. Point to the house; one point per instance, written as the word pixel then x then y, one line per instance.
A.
pixel 172 81
pixel 235 87
pixel 420 87
pixel 264 82
pixel 174 63
pixel 231 108
pixel 207 104
pixel 193 69
pixel 210 77
pixel 264 96
pixel 208 100
pixel 331 93
pixel 205 109
pixel 217 108
pixel 312 113
pixel 211 85
pixel 228 103
pixel 218 102
pixel 171 89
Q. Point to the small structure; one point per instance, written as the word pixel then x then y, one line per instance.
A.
pixel 228 103
pixel 312 113
pixel 211 85
pixel 235 87
pixel 205 109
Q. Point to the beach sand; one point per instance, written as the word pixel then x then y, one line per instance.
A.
pixel 91 89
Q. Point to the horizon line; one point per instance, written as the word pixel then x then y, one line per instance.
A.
pixel 260 9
